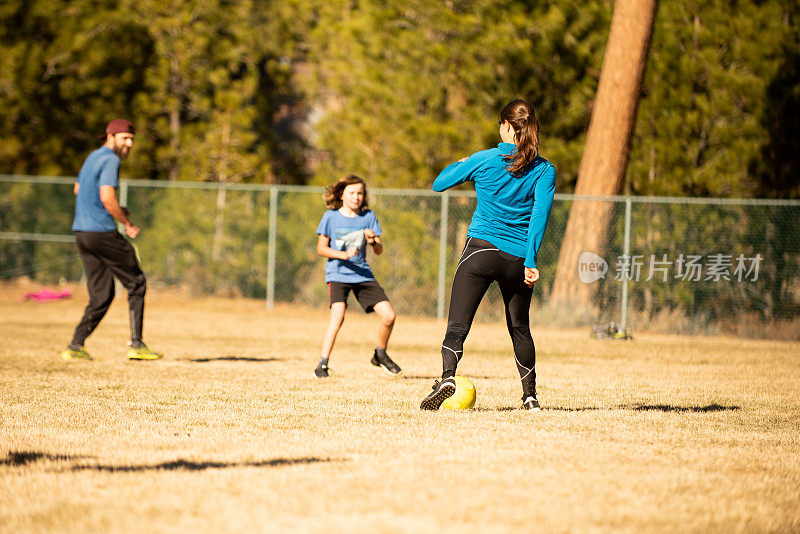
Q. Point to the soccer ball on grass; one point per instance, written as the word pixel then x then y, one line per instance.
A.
pixel 463 398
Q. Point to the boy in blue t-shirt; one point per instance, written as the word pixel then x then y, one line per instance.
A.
pixel 343 235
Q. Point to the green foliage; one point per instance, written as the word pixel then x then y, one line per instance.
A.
pixel 37 208
pixel 300 91
pixel 410 260
pixel 208 245
pixel 395 94
pixel 554 59
pixel 300 272
pixel 699 130
pixel 65 68
pixel 665 236
pixel 198 96
pixel 188 74
pixel 405 88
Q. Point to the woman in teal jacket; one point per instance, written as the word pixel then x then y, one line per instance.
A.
pixel 515 188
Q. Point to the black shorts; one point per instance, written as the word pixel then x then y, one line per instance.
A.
pixel 368 294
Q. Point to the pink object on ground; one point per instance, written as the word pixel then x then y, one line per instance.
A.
pixel 45 294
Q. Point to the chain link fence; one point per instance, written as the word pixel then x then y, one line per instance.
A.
pixel 671 264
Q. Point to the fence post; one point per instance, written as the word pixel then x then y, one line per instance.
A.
pixel 123 193
pixel 442 254
pixel 273 238
pixel 123 201
pixel 627 252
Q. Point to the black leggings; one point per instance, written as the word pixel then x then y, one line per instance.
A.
pixel 481 264
pixel 105 255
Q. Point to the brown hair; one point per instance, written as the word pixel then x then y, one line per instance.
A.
pixel 333 193
pixel 522 117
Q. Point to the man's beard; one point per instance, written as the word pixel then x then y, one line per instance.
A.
pixel 119 151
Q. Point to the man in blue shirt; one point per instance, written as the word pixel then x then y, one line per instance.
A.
pixel 104 252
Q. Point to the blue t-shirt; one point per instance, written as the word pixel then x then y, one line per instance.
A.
pixel 345 232
pixel 100 168
pixel 512 211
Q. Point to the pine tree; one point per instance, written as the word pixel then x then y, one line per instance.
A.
pixel 66 69
pixel 199 100
pixel 700 129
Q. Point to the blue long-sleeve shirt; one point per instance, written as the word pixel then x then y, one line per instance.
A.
pixel 512 211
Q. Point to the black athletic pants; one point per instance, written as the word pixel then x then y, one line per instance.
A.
pixel 105 255
pixel 481 264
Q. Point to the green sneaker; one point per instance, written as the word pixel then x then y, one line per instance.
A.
pixel 142 352
pixel 75 354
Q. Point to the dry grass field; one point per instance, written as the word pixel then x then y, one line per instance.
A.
pixel 231 432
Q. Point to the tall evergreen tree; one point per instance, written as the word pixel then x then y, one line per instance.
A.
pixel 400 89
pixel 199 101
pixel 778 167
pixel 66 68
pixel 392 89
pixel 700 128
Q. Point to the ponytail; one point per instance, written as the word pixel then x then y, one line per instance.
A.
pixel 522 117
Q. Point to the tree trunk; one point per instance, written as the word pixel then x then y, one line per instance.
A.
pixel 605 156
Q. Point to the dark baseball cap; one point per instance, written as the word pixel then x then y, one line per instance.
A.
pixel 119 126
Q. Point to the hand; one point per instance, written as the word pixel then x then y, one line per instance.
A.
pixel 370 235
pixel 131 230
pixel 531 276
pixel 350 252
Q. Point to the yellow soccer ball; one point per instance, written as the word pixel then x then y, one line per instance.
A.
pixel 463 398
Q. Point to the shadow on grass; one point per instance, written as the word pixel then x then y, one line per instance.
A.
pixel 544 409
pixel 185 465
pixel 231 359
pixel 437 377
pixel 20 458
pixel 648 408
pixel 635 407
pixel 24 458
pixel 418 377
pixel 690 409
pixel 571 409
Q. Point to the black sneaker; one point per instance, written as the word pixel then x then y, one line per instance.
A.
pixel 530 403
pixel 381 359
pixel 321 371
pixel 442 390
